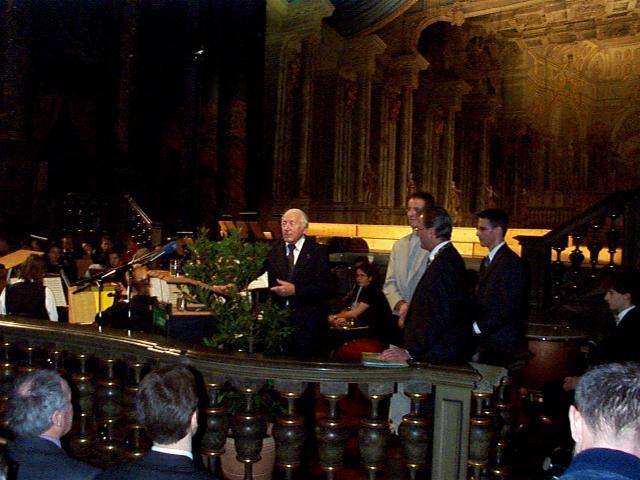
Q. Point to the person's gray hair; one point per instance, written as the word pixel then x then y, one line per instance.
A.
pixel 438 219
pixel 305 219
pixel 608 398
pixel 33 400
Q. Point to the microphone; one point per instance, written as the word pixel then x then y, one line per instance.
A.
pixel 168 249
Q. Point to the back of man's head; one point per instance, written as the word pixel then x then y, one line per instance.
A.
pixel 497 218
pixel 166 402
pixel 438 219
pixel 608 399
pixel 33 401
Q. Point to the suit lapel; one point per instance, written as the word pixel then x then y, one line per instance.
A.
pixel 484 271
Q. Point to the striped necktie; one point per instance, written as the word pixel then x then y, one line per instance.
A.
pixel 290 258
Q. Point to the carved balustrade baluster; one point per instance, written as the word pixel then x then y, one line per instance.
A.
pixel 30 365
pixel 82 441
pixel 482 433
pixel 594 246
pixel 477 470
pixel 135 442
pixel 288 431
pixel 249 427
pixel 576 257
pixel 613 240
pixel 416 430
pixel 109 407
pixel 374 434
pixel 557 269
pixel 217 421
pixel 7 375
pixel 8 370
pixel 56 360
pixel 330 430
pixel 130 392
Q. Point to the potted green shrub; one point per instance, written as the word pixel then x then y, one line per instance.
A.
pixel 242 322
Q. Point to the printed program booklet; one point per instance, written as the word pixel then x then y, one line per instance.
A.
pixel 370 359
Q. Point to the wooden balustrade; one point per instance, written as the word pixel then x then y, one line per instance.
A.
pixel 105 368
pixel 609 232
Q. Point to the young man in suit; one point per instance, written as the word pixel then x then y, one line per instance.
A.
pixel 621 343
pixel 40 413
pixel 300 280
pixel 502 294
pixel 166 405
pixel 436 327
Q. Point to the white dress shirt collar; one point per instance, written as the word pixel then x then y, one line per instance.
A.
pixel 494 250
pixel 622 313
pixel 173 451
pixel 436 249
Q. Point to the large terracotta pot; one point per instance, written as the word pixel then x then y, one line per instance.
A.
pixel 263 470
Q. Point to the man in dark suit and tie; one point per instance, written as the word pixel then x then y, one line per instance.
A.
pixel 299 278
pixel 437 328
pixel 166 405
pixel 39 412
pixel 502 294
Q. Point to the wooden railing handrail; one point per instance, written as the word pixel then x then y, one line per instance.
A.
pixel 117 344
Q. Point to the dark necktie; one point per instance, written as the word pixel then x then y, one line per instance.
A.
pixel 486 261
pixel 290 259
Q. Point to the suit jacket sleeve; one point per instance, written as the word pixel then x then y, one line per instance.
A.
pixel 390 287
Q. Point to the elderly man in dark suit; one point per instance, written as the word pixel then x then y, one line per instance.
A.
pixel 437 328
pixel 299 278
pixel 166 405
pixel 502 294
pixel 39 412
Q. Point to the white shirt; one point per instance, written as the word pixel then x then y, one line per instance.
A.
pixel 49 303
pixel 494 250
pixel 173 451
pixel 436 249
pixel 622 313
pixel 296 251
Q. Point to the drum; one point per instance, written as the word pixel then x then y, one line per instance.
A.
pixel 555 353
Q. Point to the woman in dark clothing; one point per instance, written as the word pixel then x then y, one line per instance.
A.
pixel 367 306
pixel 29 296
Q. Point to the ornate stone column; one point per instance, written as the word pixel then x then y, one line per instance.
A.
pixel 292 34
pixel 389 112
pixel 360 57
pixel 405 74
pixel 445 101
pixel 396 114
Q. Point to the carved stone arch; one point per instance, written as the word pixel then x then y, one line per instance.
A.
pixel 426 22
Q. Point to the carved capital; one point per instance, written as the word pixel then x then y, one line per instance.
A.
pixel 404 70
pixel 449 94
pixel 361 52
